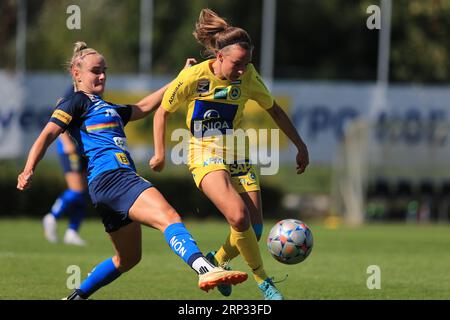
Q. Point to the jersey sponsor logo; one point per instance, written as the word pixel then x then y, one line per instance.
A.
pixel 122 157
pixel 121 143
pixel 62 116
pixel 235 93
pixel 211 114
pixel 236 82
pixel 203 86
pixel 213 160
pixel 221 93
pixel 209 118
pixel 239 169
pixel 203 126
pixel 174 92
pixel 111 113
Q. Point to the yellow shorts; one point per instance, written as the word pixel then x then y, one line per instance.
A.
pixel 243 175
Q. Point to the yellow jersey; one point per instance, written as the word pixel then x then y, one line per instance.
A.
pixel 214 107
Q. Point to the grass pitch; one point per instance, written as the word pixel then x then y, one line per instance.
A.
pixel 414 261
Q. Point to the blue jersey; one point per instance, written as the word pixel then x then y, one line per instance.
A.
pixel 97 127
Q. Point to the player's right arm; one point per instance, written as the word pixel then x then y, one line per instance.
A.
pixel 152 102
pixel 157 162
pixel 37 151
pixel 176 95
pixel 66 111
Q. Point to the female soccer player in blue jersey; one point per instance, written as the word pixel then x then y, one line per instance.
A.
pixel 73 200
pixel 214 93
pixel 123 198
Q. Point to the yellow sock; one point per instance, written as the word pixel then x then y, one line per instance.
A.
pixel 248 247
pixel 226 251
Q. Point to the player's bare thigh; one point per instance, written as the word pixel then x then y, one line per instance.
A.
pixel 218 187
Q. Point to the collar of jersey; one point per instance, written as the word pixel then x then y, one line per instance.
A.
pixel 210 62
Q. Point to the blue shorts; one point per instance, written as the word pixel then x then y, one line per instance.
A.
pixel 72 162
pixel 113 193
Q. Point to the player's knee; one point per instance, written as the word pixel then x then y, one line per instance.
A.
pixel 167 216
pixel 172 215
pixel 239 219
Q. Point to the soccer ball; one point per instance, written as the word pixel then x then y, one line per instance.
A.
pixel 290 241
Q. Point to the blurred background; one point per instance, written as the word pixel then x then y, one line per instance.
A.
pixel 366 83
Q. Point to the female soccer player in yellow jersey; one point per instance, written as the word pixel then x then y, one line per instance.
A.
pixel 215 92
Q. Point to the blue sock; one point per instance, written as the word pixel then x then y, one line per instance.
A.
pixel 76 218
pixel 103 274
pixel 66 202
pixel 79 211
pixel 182 243
pixel 258 228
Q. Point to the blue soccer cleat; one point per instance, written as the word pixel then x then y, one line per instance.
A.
pixel 224 289
pixel 269 290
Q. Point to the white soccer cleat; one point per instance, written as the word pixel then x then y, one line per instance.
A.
pixel 72 237
pixel 219 276
pixel 49 223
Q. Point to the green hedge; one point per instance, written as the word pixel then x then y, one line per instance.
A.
pixel 177 186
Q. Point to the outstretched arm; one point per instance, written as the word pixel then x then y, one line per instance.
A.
pixel 37 151
pixel 148 104
pixel 286 125
pixel 151 102
pixel 159 132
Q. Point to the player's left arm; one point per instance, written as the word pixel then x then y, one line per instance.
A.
pixel 285 124
pixel 152 102
pixel 148 104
